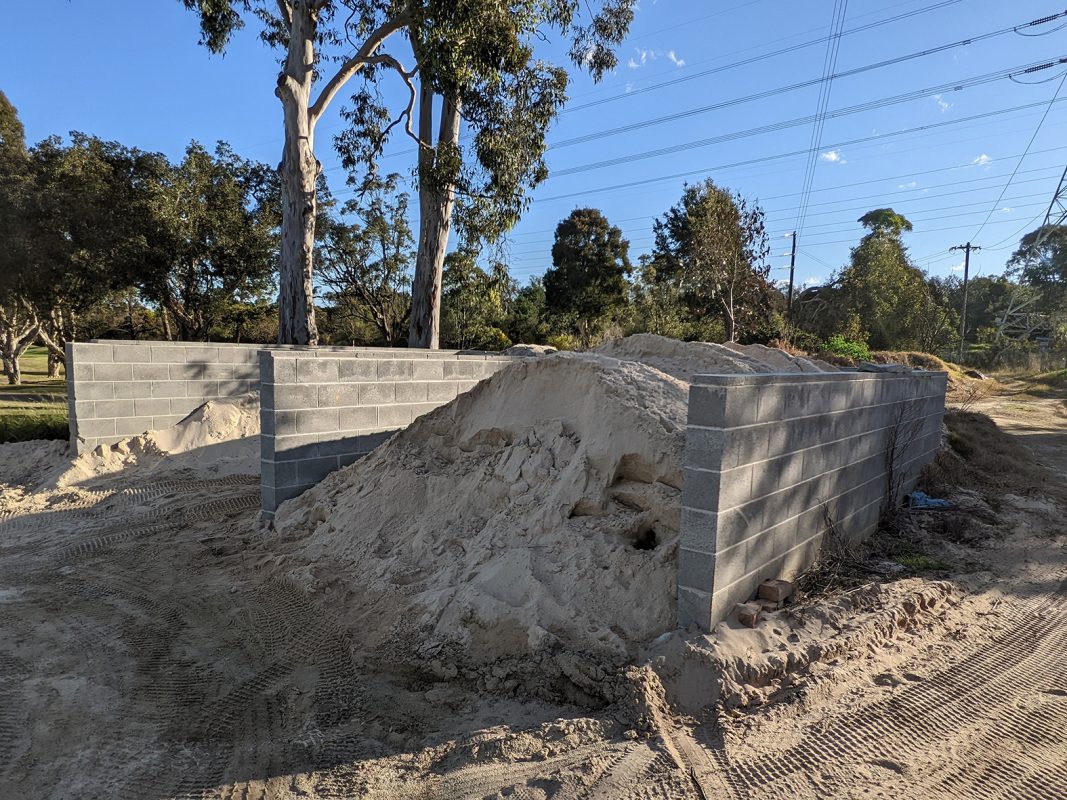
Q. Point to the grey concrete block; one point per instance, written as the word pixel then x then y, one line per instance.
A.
pixel 283 493
pixel 286 423
pixel 698 530
pixel 694 608
pixel 282 473
pixel 90 428
pixel 113 372
pixel 357 369
pixel 204 390
pixel 700 488
pixel 313 470
pixel 317 370
pixel 707 406
pixel 373 394
pixel 216 372
pixel 395 370
pixel 282 369
pixel 151 406
pixel 168 389
pixel 114 408
pixel 428 370
pixel 94 391
pixel 394 416
pixel 168 354
pixel 318 421
pixel 442 390
pixel 80 372
pixel 453 370
pixel 295 396
pixel 151 372
pixel 359 418
pixel 186 372
pixel 91 353
pixel 131 353
pixel 132 426
pixel 204 354
pixel 731 564
pixel 411 392
pixel 696 570
pixel 704 447
pixel 82 409
pixel 335 395
pixel 735 488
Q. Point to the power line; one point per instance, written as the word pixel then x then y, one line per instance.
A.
pixel 792 153
pixel 1022 158
pixel 829 65
pixel 745 62
pixel 955 86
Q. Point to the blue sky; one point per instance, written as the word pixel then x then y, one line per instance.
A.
pixel 132 70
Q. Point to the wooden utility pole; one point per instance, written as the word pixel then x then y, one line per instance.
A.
pixel 966 248
pixel 792 266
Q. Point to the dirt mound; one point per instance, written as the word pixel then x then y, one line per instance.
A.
pixel 21 463
pixel 537 514
pixel 219 438
pixel 683 360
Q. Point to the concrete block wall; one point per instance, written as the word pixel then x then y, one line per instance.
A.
pixel 321 410
pixel 117 389
pixel 772 460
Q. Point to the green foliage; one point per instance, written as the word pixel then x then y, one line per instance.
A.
pixel 214 218
pixel 1043 268
pixel 586 285
pixel 840 346
pixel 711 247
pixel 27 426
pixel 886 222
pixel 367 267
pixel 562 341
pixel 473 304
pixel 527 320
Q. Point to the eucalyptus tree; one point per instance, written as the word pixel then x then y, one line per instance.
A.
pixel 712 246
pixel 366 265
pixel 471 61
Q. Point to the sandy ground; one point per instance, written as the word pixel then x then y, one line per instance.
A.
pixel 149 650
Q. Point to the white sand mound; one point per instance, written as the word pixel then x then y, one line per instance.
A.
pixel 539 510
pixel 219 438
pixel 22 463
pixel 683 360
pixel 536 514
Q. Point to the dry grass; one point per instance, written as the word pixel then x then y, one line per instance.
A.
pixel 982 457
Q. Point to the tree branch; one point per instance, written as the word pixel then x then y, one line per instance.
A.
pixel 354 65
pixel 286 13
pixel 409 112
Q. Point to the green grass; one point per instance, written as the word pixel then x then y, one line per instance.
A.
pixel 920 562
pixel 37 408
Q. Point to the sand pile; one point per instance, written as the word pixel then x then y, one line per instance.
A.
pixel 219 438
pixel 683 360
pixel 531 521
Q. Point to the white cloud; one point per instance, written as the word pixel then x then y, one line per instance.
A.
pixel 630 86
pixel 812 280
pixel 833 156
pixel 678 62
pixel 943 104
pixel 643 57
pixel 908 185
pixel 982 160
pixel 1006 209
pixel 957 267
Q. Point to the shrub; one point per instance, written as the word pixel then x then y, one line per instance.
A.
pixel 562 341
pixel 22 427
pixel 840 346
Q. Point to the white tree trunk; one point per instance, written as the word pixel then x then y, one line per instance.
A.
pixel 435 221
pixel 299 171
